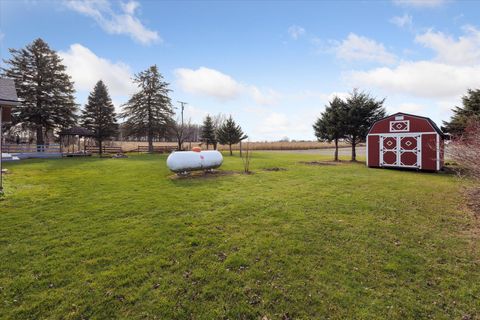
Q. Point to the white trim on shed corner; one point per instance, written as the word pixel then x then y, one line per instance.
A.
pixel 438 152
pixel 366 152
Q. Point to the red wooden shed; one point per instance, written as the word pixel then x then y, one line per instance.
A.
pixel 405 140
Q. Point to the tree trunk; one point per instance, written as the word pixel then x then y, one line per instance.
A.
pixel 336 150
pixel 40 141
pixel 100 151
pixel 231 153
pixel 150 142
pixel 354 153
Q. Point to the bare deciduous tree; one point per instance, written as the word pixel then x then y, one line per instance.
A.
pixel 246 157
pixel 184 132
pixel 218 120
pixel 465 149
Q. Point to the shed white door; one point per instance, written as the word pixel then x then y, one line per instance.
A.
pixel 403 150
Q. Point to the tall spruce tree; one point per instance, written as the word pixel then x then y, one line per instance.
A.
pixel 208 132
pixel 45 89
pixel 361 111
pixel 149 111
pixel 463 115
pixel 230 133
pixel 330 126
pixel 99 114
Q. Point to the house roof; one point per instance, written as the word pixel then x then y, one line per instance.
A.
pixel 76 131
pixel 433 124
pixel 8 94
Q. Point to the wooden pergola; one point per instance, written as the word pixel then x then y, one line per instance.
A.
pixel 8 99
pixel 70 134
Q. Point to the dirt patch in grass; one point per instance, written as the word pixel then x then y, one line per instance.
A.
pixel 274 169
pixel 204 174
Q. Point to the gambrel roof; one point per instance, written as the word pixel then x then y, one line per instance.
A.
pixel 8 94
pixel 430 121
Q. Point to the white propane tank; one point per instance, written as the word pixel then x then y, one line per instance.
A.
pixel 182 161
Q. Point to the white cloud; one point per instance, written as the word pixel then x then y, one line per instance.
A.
pixel 358 48
pixel 462 51
pixel 266 97
pixel 420 78
pixel 130 7
pixel 405 21
pixel 256 110
pixel 341 95
pixel 210 82
pixel 124 22
pixel 296 32
pixel 195 114
pixel 408 107
pixel 420 3
pixel 86 68
pixel 275 123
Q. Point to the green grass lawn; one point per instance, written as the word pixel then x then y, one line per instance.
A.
pixel 119 239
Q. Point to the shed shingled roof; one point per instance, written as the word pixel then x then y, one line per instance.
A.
pixel 8 94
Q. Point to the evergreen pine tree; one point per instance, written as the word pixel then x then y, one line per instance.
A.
pixel 45 89
pixel 463 115
pixel 149 111
pixel 230 133
pixel 99 114
pixel 361 111
pixel 208 132
pixel 331 125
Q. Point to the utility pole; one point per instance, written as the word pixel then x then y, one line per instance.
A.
pixel 182 103
pixel 183 107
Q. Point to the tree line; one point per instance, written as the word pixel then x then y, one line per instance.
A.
pixel 46 93
pixel 47 104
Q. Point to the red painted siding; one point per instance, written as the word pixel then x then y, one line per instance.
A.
pixel 429 152
pixel 373 151
pixel 442 151
pixel 6 114
pixel 416 125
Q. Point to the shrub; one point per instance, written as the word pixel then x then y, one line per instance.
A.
pixel 465 149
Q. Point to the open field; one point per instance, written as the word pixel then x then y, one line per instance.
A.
pixel 300 145
pixel 120 239
pixel 328 152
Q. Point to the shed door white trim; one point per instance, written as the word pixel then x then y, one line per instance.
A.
pixel 401 150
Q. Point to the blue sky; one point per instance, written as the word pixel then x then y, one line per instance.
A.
pixel 272 65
